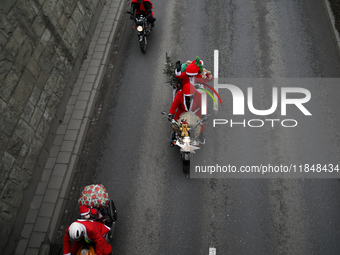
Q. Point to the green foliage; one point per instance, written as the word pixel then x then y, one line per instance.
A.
pixel 169 70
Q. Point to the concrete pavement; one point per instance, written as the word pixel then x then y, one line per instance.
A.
pixel 45 208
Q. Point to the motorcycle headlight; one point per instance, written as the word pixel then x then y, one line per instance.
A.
pixel 139 28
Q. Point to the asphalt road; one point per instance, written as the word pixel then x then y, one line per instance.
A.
pixel 160 210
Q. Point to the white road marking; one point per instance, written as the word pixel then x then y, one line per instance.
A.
pixel 215 75
pixel 215 64
pixel 212 251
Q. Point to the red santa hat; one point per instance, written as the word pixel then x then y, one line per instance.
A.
pixel 192 69
pixel 188 89
pixel 94 211
pixel 83 210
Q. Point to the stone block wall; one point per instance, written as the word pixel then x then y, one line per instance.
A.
pixel 42 44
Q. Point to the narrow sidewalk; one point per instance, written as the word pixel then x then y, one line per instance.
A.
pixel 45 209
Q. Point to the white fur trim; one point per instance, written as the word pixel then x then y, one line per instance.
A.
pixel 192 73
pixel 192 80
pixel 82 214
pixel 177 73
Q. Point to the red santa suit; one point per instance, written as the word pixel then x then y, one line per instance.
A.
pixel 189 75
pixel 94 231
pixel 181 106
pixel 141 8
pixel 193 74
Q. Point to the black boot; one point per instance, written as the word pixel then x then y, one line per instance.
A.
pixel 173 138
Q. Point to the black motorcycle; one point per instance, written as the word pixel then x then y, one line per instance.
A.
pixel 143 28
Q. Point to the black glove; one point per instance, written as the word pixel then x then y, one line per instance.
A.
pixel 131 16
pixel 178 66
pixel 150 19
pixel 170 117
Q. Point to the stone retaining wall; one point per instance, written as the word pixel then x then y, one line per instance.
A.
pixel 42 45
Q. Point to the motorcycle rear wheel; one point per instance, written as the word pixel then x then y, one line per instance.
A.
pixel 186 162
pixel 143 44
pixel 186 167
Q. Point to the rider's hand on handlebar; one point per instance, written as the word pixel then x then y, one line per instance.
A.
pixel 170 117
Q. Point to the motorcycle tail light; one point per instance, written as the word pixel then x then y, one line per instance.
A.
pixel 187 139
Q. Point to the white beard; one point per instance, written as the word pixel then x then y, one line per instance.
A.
pixel 192 80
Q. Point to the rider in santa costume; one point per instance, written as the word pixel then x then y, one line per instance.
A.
pixel 196 72
pixel 86 231
pixel 143 7
pixel 187 99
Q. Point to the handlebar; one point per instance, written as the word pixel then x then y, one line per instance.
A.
pixel 172 121
pixel 200 122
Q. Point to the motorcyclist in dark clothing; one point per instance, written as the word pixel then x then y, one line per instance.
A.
pixel 142 7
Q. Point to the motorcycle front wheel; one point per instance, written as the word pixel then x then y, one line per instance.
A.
pixel 142 44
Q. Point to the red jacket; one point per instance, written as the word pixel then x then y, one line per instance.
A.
pixel 94 232
pixel 142 9
pixel 181 107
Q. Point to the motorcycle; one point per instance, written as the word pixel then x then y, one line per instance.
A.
pixel 106 209
pixel 110 213
pixel 143 28
pixel 185 136
pixel 189 142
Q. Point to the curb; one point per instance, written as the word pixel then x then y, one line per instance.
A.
pixel 331 19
